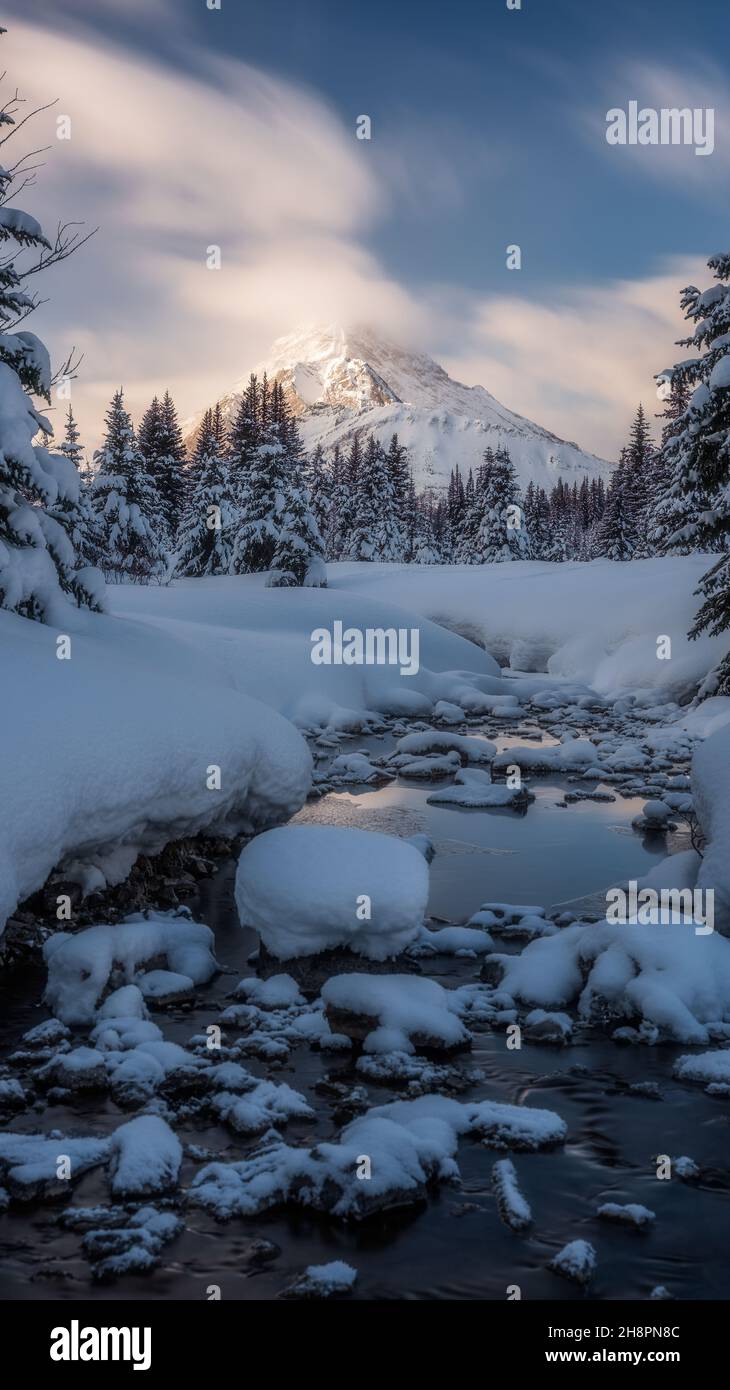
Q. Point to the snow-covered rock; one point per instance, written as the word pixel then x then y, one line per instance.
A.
pixel 409 1144
pixel 33 1166
pixel 473 788
pixel 390 1013
pixel 711 786
pixel 664 974
pixel 304 889
pixel 324 1281
pixel 80 966
pixel 513 1208
pixel 264 1104
pixel 145 1157
pixel 627 1214
pixel 576 1261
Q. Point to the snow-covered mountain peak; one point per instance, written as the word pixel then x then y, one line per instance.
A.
pixel 342 380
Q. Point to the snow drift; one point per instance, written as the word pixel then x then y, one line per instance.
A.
pixel 109 753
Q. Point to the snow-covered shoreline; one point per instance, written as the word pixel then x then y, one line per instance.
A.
pixel 167 695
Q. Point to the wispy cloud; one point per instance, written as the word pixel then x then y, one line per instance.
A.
pixel 169 163
pixel 581 363
pixel 700 83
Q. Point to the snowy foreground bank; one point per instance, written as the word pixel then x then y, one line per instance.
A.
pixel 156 726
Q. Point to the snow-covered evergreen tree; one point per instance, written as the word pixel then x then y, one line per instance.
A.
pixel 699 453
pixel 207 529
pixel 39 490
pixel 640 455
pixel 132 525
pixel 501 532
pixel 276 527
pixel 318 479
pixel 616 534
pixel 75 512
pixel 299 547
pixel 337 492
pixel 376 531
pixel 161 445
pixel 244 437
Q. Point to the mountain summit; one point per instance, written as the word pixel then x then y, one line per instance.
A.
pixel 338 382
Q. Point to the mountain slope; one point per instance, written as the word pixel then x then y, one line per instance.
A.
pixel 340 382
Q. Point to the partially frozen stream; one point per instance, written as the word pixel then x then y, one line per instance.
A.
pixel 456 1246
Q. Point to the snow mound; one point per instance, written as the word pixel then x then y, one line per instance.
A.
pixel 664 975
pixel 80 966
pixel 474 789
pixel 513 1208
pixel 145 1157
pixel 576 1261
pixel 324 1281
pixel 711 786
pixel 135 767
pixel 302 888
pixel 409 1012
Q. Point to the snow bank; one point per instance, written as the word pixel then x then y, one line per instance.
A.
pixel 302 887
pixel 261 641
pixel 673 980
pixel 114 747
pixel 597 622
pixel 711 787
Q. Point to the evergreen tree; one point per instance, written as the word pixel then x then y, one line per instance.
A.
pixel 616 534
pixel 131 522
pixel 299 554
pixel 160 443
pixel 207 529
pixel 640 464
pixel 348 499
pixel 501 533
pixel 539 525
pixel 338 500
pixel 277 530
pixel 318 479
pixel 74 512
pixel 39 490
pixel 699 452
pixel 376 531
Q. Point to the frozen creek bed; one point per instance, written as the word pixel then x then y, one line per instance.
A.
pixel 469 1239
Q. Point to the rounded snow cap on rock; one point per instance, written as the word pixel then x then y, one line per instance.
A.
pixel 310 888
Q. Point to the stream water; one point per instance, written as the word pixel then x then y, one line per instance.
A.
pixel 456 1245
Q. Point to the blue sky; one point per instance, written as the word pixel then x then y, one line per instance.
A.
pixel 488 128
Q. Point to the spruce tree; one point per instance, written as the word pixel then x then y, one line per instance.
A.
pixel 75 512
pixel 616 534
pixel 276 528
pixel 207 529
pixel 40 571
pixel 130 517
pixel 299 553
pixel 376 531
pixel 338 500
pixel 501 534
pixel 699 453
